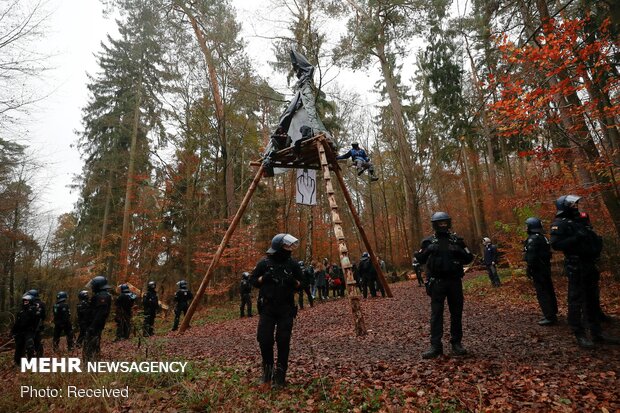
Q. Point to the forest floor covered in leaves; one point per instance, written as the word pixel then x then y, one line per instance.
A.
pixel 513 364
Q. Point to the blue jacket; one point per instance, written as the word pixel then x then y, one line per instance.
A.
pixel 355 154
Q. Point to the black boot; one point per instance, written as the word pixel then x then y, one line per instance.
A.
pixel 432 353
pixel 458 349
pixel 267 373
pixel 279 378
pixel 584 342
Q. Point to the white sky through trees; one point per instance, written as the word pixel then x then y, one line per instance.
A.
pixel 75 30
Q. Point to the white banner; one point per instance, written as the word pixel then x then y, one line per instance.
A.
pixel 306 186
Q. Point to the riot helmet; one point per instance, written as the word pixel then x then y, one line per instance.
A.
pixel 245 275
pixel 567 204
pixel 61 296
pixel 534 225
pixel 33 293
pixel 486 240
pixel 365 255
pixel 124 288
pixel 182 285
pixel 441 222
pixel 99 283
pixel 151 285
pixel 283 242
pixel 27 300
pixel 83 295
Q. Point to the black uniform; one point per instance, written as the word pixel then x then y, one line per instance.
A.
pixel 41 313
pixel 368 274
pixel 581 247
pixel 150 303
pixel 245 289
pixel 124 304
pixel 83 320
pixel 23 331
pixel 277 276
pixel 444 255
pixel 182 298
pixel 100 305
pixel 417 268
pixel 62 324
pixel 537 255
pixel 306 285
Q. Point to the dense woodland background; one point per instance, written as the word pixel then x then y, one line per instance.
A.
pixel 512 104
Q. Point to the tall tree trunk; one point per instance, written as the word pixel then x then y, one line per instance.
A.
pixel 229 176
pixel 404 147
pixel 124 255
pixel 106 215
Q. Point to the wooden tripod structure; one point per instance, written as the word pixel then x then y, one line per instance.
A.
pixel 314 153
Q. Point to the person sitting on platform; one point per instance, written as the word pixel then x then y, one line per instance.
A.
pixel 360 160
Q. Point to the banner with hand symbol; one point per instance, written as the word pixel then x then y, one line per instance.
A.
pixel 306 186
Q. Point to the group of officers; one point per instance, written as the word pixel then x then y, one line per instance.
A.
pixel 92 314
pixel 278 276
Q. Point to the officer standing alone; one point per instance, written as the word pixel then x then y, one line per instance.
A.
pixel 444 254
pixel 245 289
pixel 277 276
pixel 150 304
pixel 537 255
pixel 182 298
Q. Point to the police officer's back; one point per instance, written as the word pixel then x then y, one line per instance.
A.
pixel 124 304
pixel 444 254
pixel 62 321
pixel 150 304
pixel 100 305
pixel 277 276
pixel 537 255
pixel 83 316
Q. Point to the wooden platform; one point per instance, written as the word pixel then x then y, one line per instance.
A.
pixel 307 158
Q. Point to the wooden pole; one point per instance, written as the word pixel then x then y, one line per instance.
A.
pixel 360 228
pixel 220 249
pixel 345 261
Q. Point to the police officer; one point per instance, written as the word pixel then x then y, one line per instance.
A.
pixel 39 307
pixel 581 247
pixel 150 304
pixel 490 261
pixel 277 276
pixel 100 305
pixel 83 316
pixel 245 289
pixel 417 268
pixel 24 329
pixel 444 254
pixel 124 304
pixel 62 321
pixel 368 274
pixel 306 284
pixel 182 298
pixel 537 255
